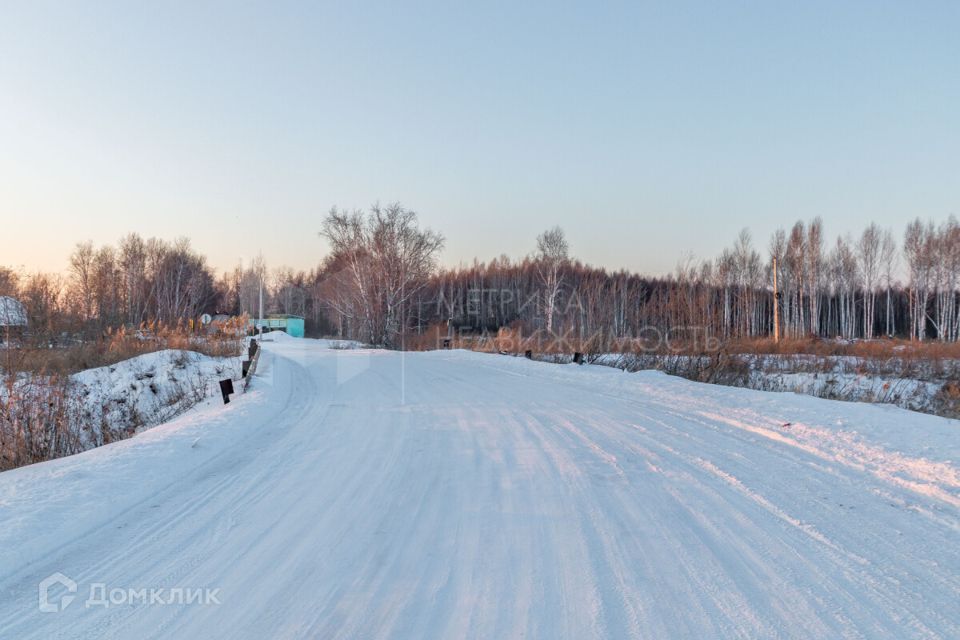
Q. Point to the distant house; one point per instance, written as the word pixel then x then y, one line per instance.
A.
pixel 13 319
pixel 292 325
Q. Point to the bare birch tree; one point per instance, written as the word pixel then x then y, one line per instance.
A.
pixel 868 249
pixel 552 255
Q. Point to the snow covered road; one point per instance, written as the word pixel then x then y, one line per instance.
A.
pixel 369 494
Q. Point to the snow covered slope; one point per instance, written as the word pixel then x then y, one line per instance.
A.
pixel 925 386
pixel 151 388
pixel 367 494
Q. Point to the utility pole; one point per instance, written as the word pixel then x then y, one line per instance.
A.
pixel 261 305
pixel 776 305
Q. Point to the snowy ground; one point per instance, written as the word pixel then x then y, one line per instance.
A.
pixel 366 494
pixel 134 394
pixel 152 388
pixel 911 384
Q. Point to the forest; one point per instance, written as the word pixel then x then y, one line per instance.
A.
pixel 382 282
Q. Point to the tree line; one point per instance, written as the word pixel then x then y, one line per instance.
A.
pixel 382 281
pixel 134 282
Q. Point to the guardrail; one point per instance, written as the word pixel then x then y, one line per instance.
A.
pixel 254 354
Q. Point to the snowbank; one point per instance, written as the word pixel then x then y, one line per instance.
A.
pixel 105 404
pixel 277 336
pixel 917 385
pixel 150 389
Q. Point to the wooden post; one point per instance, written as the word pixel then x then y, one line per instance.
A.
pixel 776 305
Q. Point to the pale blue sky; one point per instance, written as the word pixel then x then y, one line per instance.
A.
pixel 646 130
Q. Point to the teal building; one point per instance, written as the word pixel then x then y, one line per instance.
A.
pixel 292 325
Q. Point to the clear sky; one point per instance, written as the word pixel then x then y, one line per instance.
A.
pixel 646 130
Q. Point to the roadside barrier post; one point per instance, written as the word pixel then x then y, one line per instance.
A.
pixel 226 388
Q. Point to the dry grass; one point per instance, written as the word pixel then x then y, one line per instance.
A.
pixel 121 344
pixel 36 420
pixel 41 418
